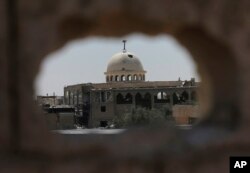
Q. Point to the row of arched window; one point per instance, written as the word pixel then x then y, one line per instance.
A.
pixel 178 98
pixel 160 97
pixel 184 97
pixel 117 78
pixel 142 101
pixel 128 99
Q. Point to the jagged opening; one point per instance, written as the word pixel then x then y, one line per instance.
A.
pixel 169 68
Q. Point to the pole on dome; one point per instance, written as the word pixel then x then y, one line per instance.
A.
pixel 124 45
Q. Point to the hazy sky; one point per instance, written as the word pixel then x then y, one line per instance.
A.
pixel 85 60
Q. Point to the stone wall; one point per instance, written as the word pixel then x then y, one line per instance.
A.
pixel 217 34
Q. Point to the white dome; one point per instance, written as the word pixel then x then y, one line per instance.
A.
pixel 124 61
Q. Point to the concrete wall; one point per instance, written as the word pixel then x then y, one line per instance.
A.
pixel 59 121
pixel 216 33
pixel 98 115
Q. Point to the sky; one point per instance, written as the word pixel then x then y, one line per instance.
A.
pixel 85 60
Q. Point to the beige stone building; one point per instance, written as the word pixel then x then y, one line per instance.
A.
pixel 126 88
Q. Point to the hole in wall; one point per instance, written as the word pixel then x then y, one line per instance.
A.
pixel 170 83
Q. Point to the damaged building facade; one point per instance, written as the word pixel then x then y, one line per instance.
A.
pixel 126 89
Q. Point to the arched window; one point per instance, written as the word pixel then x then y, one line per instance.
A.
pixel 138 99
pixel 79 98
pixel 107 78
pixel 68 96
pixel 140 77
pixel 116 78
pixel 111 78
pixel 143 102
pixel 129 77
pixel 162 97
pixel 135 77
pixel 103 96
pixel 109 95
pixel 147 96
pixel 143 77
pixel 71 98
pixel 75 98
pixel 97 97
pixel 176 98
pixel 119 98
pixel 184 96
pixel 123 78
pixel 128 98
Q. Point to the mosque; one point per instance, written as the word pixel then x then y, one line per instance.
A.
pixel 126 89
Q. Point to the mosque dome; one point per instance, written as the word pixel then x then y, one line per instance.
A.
pixel 124 61
pixel 124 67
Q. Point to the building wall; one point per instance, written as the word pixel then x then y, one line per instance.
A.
pixel 59 121
pixel 114 108
pixel 104 105
pixel 99 115
pixel 49 100
pixel 184 114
